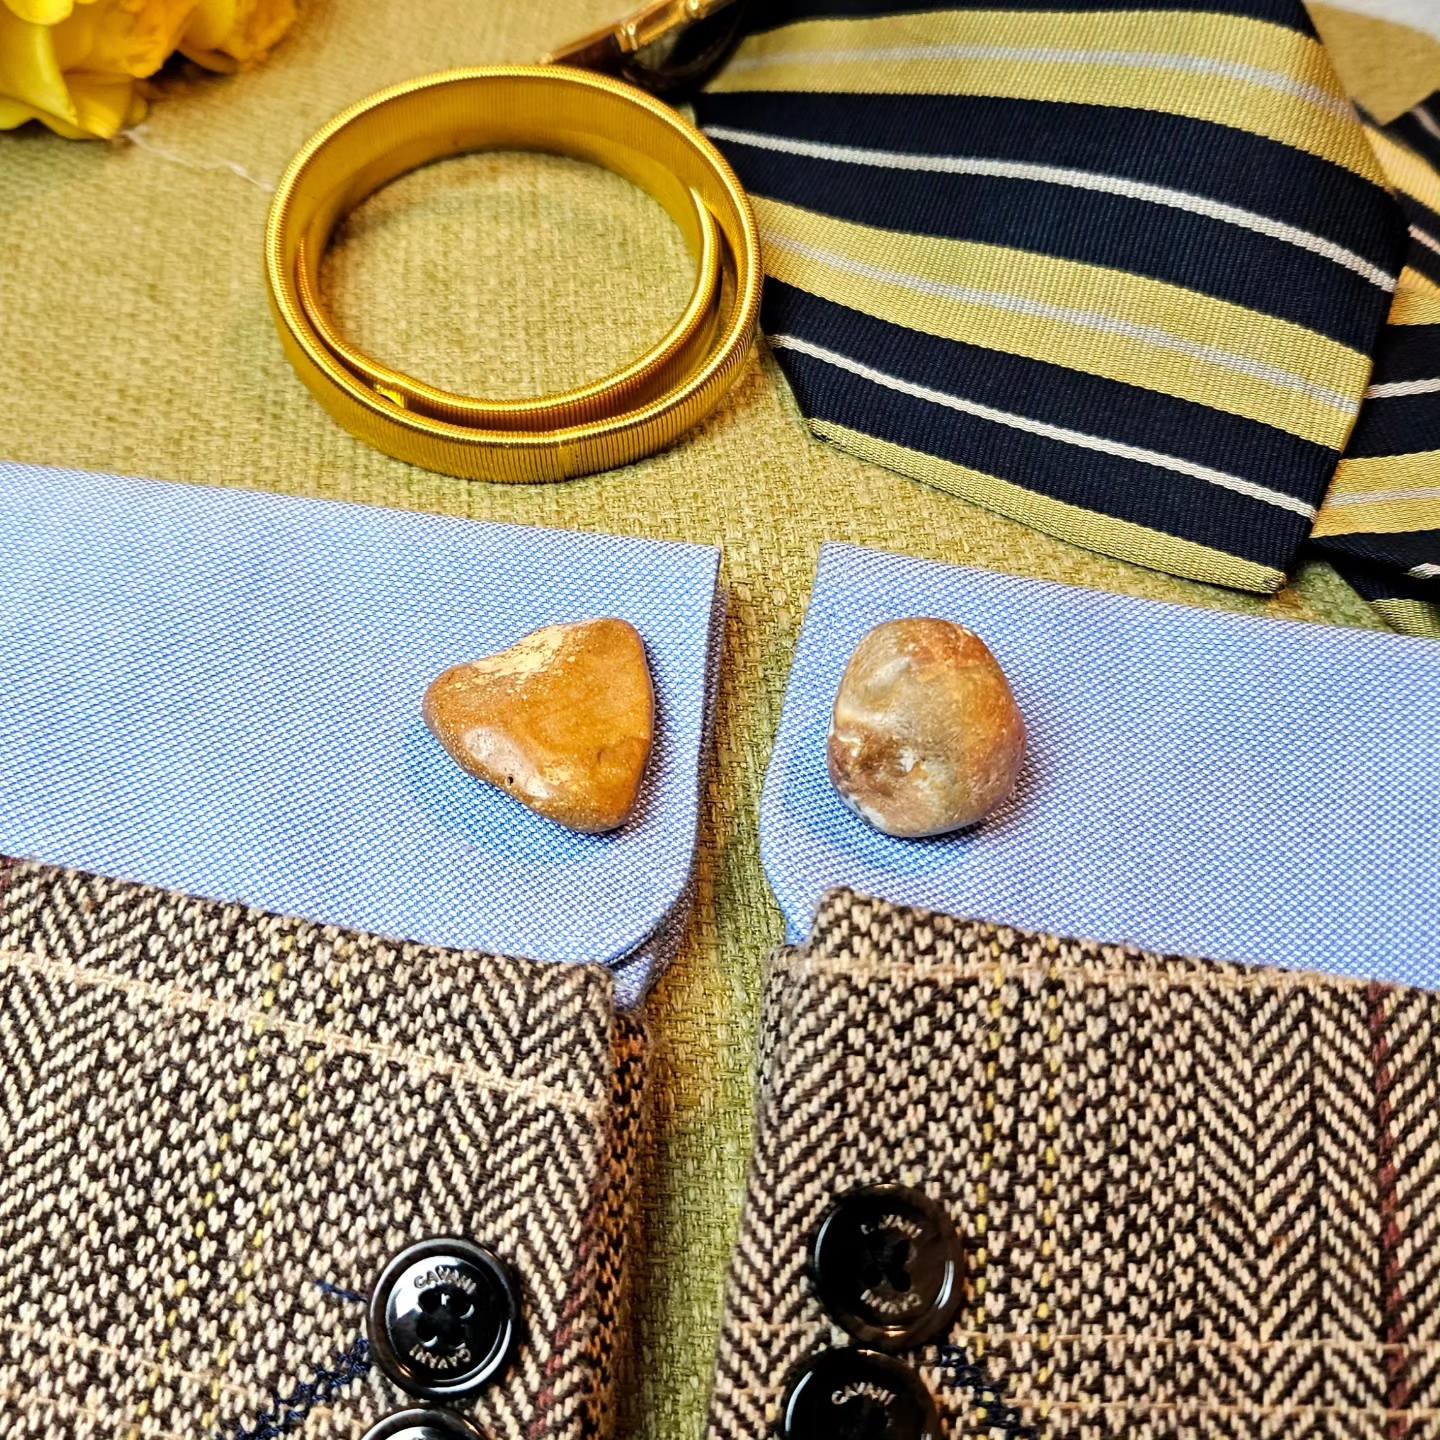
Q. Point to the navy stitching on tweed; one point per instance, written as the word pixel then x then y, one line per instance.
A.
pixel 339 1292
pixel 1001 1418
pixel 288 1411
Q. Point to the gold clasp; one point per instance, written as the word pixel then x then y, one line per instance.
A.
pixel 666 47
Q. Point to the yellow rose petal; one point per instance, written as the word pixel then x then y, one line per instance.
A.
pixel 106 104
pixel 210 22
pixel 41 12
pixel 121 37
pixel 224 31
pixel 30 71
pixel 13 113
pixel 72 64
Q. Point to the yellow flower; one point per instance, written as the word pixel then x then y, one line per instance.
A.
pixel 224 34
pixel 74 64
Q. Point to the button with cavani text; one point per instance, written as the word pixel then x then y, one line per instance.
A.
pixel 443 1318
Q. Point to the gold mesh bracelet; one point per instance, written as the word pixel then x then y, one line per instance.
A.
pixel 621 417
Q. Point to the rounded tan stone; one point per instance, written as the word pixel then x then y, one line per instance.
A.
pixel 926 736
pixel 564 721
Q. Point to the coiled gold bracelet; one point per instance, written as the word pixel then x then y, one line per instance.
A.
pixel 621 417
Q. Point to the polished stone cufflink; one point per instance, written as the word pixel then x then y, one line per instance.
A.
pixel 563 721
pixel 925 737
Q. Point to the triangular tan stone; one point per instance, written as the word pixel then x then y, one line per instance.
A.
pixel 563 721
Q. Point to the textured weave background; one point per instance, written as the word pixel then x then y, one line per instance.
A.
pixel 136 338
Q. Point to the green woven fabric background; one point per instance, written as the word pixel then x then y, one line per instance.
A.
pixel 136 338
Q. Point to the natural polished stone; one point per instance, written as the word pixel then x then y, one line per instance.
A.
pixel 563 721
pixel 926 736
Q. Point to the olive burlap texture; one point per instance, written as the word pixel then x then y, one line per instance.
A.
pixel 136 339
pixel 218 1126
pixel 1199 1200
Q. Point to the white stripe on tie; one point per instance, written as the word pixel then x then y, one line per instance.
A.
pixel 1389 389
pixel 1054 55
pixel 1380 497
pixel 1050 432
pixel 1086 319
pixel 1060 175
pixel 1425 238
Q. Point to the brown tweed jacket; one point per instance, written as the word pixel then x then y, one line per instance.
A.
pixel 1197 1200
pixel 217 1126
pixel 1193 1200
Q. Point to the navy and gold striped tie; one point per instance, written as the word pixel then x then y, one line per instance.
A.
pixel 1139 275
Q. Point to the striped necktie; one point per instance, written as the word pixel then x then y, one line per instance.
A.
pixel 1162 280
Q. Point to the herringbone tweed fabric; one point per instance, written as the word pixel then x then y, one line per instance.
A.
pixel 217 1126
pixel 1200 1200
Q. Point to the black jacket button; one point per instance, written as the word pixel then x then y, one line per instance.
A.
pixel 857 1395
pixel 886 1263
pixel 423 1424
pixel 443 1318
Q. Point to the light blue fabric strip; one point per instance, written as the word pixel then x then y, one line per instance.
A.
pixel 1245 789
pixel 219 691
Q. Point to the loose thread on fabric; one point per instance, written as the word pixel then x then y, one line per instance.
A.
pixel 339 1292
pixel 289 1411
pixel 138 137
pixel 1001 1418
